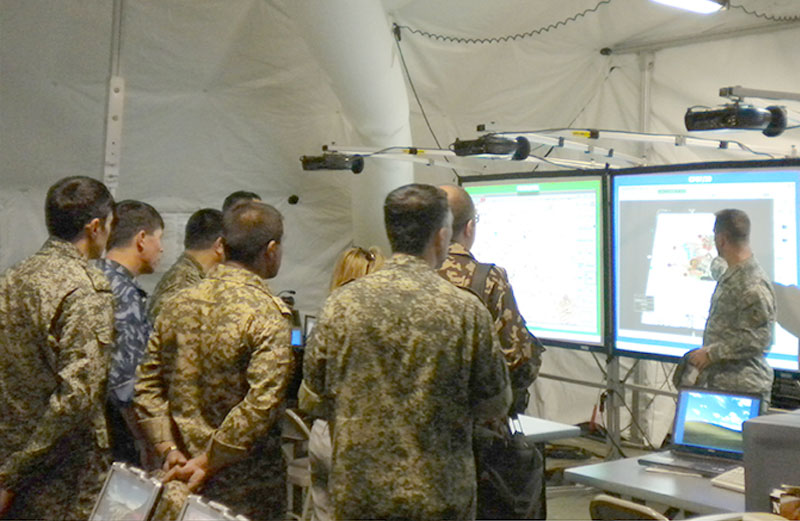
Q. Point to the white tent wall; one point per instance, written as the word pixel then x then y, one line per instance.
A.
pixel 223 97
pixel 352 42
pixel 220 96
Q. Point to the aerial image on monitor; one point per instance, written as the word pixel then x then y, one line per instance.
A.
pixel 679 282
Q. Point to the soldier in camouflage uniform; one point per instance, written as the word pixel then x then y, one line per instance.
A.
pixel 56 325
pixel 402 363
pixel 741 319
pixel 212 385
pixel 203 250
pixel 522 350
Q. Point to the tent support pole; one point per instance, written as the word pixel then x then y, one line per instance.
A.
pixel 114 106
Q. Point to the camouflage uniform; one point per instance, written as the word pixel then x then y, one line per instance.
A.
pixel 522 350
pixel 401 363
pixel 214 377
pixel 183 273
pixel 56 325
pixel 739 331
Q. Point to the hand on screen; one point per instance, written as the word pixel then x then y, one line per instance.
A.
pixel 699 358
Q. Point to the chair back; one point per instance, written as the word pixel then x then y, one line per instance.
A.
pixel 608 508
pixel 294 445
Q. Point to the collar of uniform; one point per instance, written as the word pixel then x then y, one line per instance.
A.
pixel 62 247
pixel 459 249
pixel 116 266
pixel 246 277
pixel 404 260
pixel 744 265
pixel 185 257
pixel 227 272
pixel 120 270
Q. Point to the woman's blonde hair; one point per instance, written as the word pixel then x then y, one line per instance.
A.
pixel 355 262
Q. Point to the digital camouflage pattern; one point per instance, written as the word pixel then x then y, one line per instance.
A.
pixel 183 273
pixel 522 350
pixel 56 326
pixel 215 374
pixel 739 331
pixel 131 331
pixel 402 363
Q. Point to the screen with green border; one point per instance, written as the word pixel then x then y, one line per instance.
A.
pixel 547 235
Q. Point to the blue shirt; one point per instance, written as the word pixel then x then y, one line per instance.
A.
pixel 131 331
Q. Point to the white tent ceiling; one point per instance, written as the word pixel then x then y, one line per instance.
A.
pixel 223 95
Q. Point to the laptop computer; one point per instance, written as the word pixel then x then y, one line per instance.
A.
pixel 707 432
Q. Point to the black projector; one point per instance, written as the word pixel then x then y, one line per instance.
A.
pixel 771 120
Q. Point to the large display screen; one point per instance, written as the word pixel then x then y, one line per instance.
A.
pixel 547 233
pixel 664 249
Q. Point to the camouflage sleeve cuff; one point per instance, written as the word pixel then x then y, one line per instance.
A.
pixel 493 407
pixel 157 430
pixel 310 402
pixel 713 352
pixel 220 454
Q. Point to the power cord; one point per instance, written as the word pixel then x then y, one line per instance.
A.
pixel 511 37
pixel 397 38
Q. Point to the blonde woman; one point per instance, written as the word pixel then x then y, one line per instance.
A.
pixel 353 263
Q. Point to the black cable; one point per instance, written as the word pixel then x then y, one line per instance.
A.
pixel 634 422
pixel 396 31
pixel 765 16
pixel 507 38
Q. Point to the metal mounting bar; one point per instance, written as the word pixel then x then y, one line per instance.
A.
pixel 418 155
pixel 740 92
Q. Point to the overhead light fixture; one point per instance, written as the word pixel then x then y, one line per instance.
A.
pixel 696 6
pixel 333 161
pixel 493 145
pixel 771 120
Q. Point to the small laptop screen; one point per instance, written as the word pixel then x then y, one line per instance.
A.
pixel 712 420
pixel 297 337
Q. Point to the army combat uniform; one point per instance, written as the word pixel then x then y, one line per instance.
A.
pixel 739 331
pixel 402 363
pixel 183 273
pixel 214 379
pixel 522 350
pixel 56 324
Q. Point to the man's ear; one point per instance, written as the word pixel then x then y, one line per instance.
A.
pixel 93 227
pixel 443 239
pixel 139 238
pixel 219 247
pixel 469 229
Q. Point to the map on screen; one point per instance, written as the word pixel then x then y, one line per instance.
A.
pixel 664 247
pixel 547 235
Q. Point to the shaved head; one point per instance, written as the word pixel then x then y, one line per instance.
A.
pixel 461 205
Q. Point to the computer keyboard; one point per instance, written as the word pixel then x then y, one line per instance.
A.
pixel 732 479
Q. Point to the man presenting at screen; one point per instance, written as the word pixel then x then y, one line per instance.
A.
pixel 741 319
